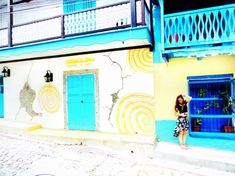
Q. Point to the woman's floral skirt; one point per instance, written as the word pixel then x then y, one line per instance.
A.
pixel 181 124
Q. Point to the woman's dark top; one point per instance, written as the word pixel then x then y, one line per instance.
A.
pixel 182 109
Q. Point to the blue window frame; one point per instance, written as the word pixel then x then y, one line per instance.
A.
pixel 76 5
pixel 209 116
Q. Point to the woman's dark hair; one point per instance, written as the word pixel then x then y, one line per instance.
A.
pixel 177 102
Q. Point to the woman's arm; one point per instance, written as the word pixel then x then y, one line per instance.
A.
pixel 177 112
pixel 187 98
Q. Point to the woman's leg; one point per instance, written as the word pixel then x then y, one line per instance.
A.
pixel 184 135
pixel 181 137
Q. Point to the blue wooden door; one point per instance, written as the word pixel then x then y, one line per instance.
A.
pixel 81 102
pixel 1 98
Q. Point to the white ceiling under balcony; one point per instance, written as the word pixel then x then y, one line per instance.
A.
pixel 4 2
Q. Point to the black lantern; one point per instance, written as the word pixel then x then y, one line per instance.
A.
pixel 6 72
pixel 48 76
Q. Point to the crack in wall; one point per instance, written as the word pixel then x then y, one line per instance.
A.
pixel 114 95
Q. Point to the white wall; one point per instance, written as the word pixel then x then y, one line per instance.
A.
pixel 109 82
pixel 37 9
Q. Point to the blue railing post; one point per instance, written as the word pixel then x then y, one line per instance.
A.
pixel 143 12
pixel 62 26
pixel 133 13
pixel 10 22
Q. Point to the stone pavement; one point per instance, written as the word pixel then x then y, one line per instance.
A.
pixel 42 153
pixel 22 155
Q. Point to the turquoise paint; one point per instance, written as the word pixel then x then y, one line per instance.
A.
pixel 72 6
pixel 1 97
pixel 158 33
pixel 139 33
pixel 200 27
pixel 81 21
pixel 81 102
pixel 164 131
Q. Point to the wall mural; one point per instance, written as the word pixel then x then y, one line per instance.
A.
pixel 141 60
pixel 135 114
pixel 49 98
pixel 27 97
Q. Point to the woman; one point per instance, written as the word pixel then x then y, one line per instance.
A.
pixel 181 110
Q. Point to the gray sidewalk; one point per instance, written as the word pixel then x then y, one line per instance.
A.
pixel 200 157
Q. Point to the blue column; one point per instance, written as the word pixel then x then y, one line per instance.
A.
pixel 158 25
pixel 133 13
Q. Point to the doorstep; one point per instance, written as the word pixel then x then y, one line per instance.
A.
pixel 94 135
pixel 37 130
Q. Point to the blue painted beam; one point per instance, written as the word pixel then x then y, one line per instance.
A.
pixel 138 33
pixel 200 51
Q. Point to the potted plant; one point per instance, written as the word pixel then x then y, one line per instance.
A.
pixel 197 124
pixel 228 109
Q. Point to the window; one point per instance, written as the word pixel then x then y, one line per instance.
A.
pixel 76 5
pixel 79 21
pixel 211 110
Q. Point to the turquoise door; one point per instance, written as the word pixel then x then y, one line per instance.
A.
pixel 81 102
pixel 1 98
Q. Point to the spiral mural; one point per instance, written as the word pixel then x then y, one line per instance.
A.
pixel 49 98
pixel 135 114
pixel 140 60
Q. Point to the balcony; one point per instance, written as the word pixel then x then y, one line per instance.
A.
pixel 126 15
pixel 209 27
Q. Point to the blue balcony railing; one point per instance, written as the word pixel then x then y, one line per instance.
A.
pixel 199 27
pixel 126 14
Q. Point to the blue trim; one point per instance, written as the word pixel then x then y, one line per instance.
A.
pixel 138 33
pixel 210 81
pixel 211 116
pixel 206 98
pixel 230 136
pixel 206 78
pixel 164 131
pixel 200 51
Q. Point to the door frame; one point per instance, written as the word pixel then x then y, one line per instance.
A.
pixel 81 72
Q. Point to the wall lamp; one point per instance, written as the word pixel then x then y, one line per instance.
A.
pixel 48 76
pixel 6 72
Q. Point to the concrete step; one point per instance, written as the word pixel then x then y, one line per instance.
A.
pixel 197 156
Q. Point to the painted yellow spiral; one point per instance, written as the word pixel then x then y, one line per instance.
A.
pixel 141 60
pixel 49 98
pixel 135 114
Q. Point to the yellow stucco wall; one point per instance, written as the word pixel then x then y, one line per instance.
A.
pixel 171 79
